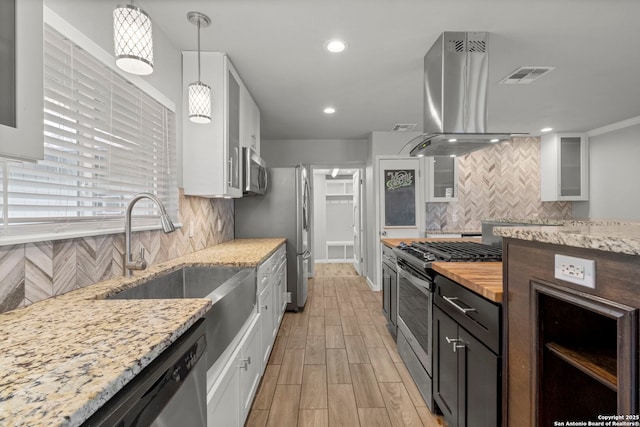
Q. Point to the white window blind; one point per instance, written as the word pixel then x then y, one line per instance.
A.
pixel 104 141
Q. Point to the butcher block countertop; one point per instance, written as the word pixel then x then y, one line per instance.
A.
pixel 62 358
pixel 483 278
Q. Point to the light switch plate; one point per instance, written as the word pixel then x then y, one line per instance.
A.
pixel 575 270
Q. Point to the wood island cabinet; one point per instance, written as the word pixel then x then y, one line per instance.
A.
pixel 571 350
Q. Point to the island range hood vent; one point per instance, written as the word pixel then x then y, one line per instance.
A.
pixel 456 77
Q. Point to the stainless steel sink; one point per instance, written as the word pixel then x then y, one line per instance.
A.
pixel 188 282
pixel 232 290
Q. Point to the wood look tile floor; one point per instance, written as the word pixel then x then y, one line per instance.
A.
pixel 336 364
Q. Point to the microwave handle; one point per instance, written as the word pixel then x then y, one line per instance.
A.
pixel 265 177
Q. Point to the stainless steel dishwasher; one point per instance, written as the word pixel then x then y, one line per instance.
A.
pixel 169 392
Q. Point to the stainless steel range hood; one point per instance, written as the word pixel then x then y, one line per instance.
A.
pixel 456 76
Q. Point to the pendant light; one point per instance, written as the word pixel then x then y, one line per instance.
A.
pixel 199 93
pixel 133 39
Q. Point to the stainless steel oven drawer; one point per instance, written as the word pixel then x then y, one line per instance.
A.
pixel 415 368
pixel 478 315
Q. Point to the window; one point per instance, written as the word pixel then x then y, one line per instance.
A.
pixel 104 141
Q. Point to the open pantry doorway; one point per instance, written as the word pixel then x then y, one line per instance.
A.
pixel 338 218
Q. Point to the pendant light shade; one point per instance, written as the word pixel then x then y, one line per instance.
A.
pixel 199 93
pixel 199 102
pixel 133 40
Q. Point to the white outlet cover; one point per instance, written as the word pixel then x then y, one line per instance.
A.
pixel 575 270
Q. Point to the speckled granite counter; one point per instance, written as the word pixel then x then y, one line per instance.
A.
pixel 64 357
pixel 610 236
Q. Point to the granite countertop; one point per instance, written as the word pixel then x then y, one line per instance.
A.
pixel 610 236
pixel 64 357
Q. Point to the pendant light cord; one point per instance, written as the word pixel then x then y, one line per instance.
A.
pixel 198 50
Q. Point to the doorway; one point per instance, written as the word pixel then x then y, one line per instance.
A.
pixel 337 216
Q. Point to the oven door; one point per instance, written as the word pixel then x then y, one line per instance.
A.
pixel 415 306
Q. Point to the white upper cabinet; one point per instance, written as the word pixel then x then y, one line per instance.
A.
pixel 21 83
pixel 442 173
pixel 212 152
pixel 564 167
pixel 249 121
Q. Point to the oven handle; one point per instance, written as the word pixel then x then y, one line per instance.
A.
pixel 451 300
pixel 419 283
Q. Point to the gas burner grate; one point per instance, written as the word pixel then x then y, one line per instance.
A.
pixel 460 251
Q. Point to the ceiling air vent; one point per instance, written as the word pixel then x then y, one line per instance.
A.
pixel 403 127
pixel 525 75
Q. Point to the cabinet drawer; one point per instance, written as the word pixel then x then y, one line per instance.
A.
pixel 481 317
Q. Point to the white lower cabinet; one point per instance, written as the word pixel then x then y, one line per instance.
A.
pixel 237 374
pixel 223 400
pixel 229 400
pixel 266 307
pixel 250 367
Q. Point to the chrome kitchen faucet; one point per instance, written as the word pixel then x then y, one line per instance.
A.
pixel 167 226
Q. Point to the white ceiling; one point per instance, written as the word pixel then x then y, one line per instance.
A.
pixel 277 47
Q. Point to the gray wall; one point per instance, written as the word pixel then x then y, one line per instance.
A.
pixel 280 153
pixel 614 174
pixel 94 20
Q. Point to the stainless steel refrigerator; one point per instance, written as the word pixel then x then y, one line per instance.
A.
pixel 284 211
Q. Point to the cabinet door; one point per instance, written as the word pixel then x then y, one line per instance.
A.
pixel 249 121
pixel 445 366
pixel 223 401
pixel 393 297
pixel 443 179
pixel 21 81
pixel 233 131
pixel 564 167
pixel 386 297
pixel 279 297
pixel 250 367
pixel 479 383
pixel 266 309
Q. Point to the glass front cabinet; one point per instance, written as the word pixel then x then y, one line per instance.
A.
pixel 442 172
pixel 564 167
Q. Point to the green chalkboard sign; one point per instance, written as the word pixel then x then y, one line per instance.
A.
pixel 399 198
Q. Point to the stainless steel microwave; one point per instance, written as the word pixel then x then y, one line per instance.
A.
pixel 255 173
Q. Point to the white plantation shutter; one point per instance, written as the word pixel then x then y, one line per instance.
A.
pixel 104 141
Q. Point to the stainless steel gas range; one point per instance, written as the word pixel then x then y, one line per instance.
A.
pixel 415 300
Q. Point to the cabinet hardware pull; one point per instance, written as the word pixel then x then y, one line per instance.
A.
pixel 230 171
pixel 451 300
pixel 455 343
pixel 245 363
pixel 266 306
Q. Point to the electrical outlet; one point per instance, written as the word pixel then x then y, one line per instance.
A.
pixel 289 297
pixel 191 229
pixel 219 225
pixel 576 270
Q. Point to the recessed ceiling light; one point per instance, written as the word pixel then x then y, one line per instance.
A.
pixel 494 140
pixel 452 140
pixel 452 155
pixel 546 129
pixel 335 46
pixel 329 110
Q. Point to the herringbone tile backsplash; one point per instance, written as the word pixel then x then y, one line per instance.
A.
pixel 35 271
pixel 502 181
